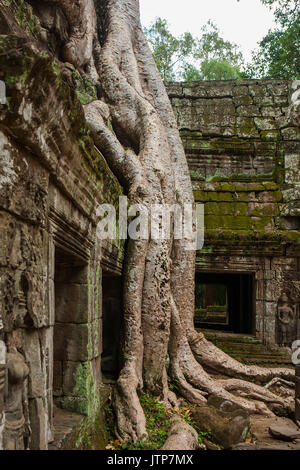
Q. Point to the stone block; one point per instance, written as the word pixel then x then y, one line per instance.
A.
pixel 292 168
pixel 71 342
pixel 271 135
pixel 38 424
pixel 291 195
pixel 46 341
pixel 258 322
pixel 267 267
pixel 259 307
pixel 96 334
pixel 291 133
pixel 72 274
pixel 174 89
pixel 288 432
pixel 248 111
pixel 266 100
pixel 290 147
pixel 258 89
pixel 221 89
pixel 260 291
pixel 71 303
pixel 240 90
pixel 243 100
pixel 69 377
pixel 265 124
pixel 272 291
pixel 277 88
pixel 193 91
pixel 271 309
pixel 285 263
pixel 281 100
pixel 271 111
pixel 33 356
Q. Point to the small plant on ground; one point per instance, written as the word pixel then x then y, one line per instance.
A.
pixel 204 435
pixel 158 426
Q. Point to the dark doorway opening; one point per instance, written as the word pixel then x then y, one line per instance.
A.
pixel 111 326
pixel 71 318
pixel 224 302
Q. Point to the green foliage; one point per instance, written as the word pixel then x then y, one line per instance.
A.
pixel 219 59
pixel 157 425
pixel 168 51
pixel 191 73
pixel 278 52
pixel 173 385
pixel 285 11
pixel 278 55
pixel 202 435
pixel 86 91
pixel 220 70
pixel 188 58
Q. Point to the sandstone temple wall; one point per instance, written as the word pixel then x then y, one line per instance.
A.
pixel 59 284
pixel 243 150
pixel 52 180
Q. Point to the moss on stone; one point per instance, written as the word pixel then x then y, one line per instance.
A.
pixel 270 185
pixel 85 90
pixel 264 209
pixel 248 240
pixel 292 236
pixel 271 135
pixel 225 197
pixel 212 196
pixel 196 175
pixel 15 69
pixel 23 14
pixel 229 222
pixel 219 208
pixel 92 433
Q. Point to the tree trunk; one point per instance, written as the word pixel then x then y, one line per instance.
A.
pixel 145 152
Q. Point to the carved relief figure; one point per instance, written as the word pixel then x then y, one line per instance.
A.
pixel 286 328
pixel 16 428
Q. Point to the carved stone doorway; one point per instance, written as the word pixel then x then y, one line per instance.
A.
pixel 70 338
pixel 225 301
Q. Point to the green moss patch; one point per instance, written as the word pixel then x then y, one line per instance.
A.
pixel 23 14
pixel 158 425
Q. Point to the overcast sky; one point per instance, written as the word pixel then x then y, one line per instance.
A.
pixel 244 22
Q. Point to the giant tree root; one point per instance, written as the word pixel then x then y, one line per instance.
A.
pixel 211 357
pixel 195 384
pixel 134 127
pixel 182 436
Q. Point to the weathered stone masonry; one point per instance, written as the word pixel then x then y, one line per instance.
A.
pixel 58 281
pixel 52 180
pixel 243 152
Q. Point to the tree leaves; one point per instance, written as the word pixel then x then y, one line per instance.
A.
pixel 187 58
pixel 169 52
pixel 278 53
